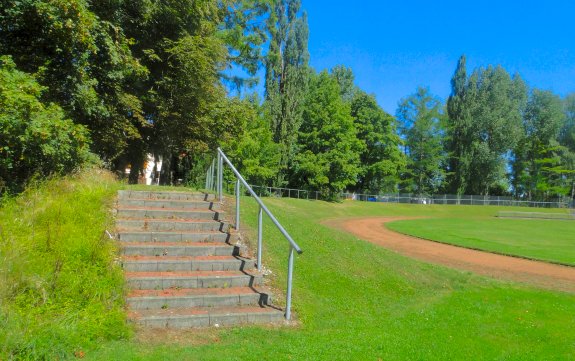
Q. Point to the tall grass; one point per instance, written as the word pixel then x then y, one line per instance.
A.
pixel 60 289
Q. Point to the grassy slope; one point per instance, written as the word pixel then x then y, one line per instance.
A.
pixel 60 292
pixel 549 240
pixel 357 301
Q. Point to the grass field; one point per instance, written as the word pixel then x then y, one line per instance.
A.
pixel 548 240
pixel 356 301
pixel 353 300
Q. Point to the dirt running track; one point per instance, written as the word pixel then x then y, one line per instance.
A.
pixel 541 274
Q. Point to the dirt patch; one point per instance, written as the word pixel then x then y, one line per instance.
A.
pixel 162 336
pixel 538 273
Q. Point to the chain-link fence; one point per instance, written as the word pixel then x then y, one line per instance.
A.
pixel 473 200
pixel 454 199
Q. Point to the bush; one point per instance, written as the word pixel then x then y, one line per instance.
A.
pixel 35 138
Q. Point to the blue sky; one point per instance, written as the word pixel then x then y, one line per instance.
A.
pixel 393 47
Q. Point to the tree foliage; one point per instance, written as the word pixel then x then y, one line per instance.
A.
pixel 85 62
pixel 254 150
pixel 538 165
pixel 36 139
pixel 286 76
pixel 381 160
pixel 421 117
pixel 328 148
pixel 485 114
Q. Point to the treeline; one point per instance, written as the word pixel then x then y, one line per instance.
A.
pixel 123 79
pixel 494 136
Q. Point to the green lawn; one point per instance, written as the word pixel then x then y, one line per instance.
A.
pixel 357 301
pixel 548 240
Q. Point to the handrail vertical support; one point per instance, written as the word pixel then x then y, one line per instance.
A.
pixel 238 192
pixel 210 176
pixel 213 167
pixel 260 234
pixel 289 284
pixel 220 177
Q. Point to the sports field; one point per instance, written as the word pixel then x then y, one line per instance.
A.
pixel 548 240
pixel 358 301
pixel 353 300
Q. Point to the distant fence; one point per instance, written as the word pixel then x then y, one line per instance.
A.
pixel 286 192
pixel 474 200
pixel 536 215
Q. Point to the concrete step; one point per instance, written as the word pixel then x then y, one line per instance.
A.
pixel 166 204
pixel 125 224
pixel 205 316
pixel 168 213
pixel 186 263
pixel 196 297
pixel 165 195
pixel 179 249
pixel 192 279
pixel 174 236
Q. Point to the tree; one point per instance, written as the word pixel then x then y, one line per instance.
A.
pixel 344 77
pixel 459 131
pixel 328 157
pixel 35 138
pixel 420 115
pixel 381 160
pixel 253 152
pixel 537 163
pixel 496 102
pixel 567 139
pixel 244 35
pixel 84 61
pixel 286 76
pixel 183 46
pixel 485 112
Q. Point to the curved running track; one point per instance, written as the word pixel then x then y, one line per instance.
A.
pixel 542 274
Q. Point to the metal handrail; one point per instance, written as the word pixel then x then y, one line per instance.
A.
pixel 218 185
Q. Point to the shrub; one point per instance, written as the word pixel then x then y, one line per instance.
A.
pixel 35 138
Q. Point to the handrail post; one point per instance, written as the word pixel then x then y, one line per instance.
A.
pixel 217 175
pixel 220 176
pixel 238 191
pixel 212 174
pixel 260 234
pixel 289 284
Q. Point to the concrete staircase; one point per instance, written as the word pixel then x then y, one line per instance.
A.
pixel 182 265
